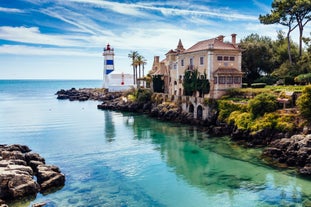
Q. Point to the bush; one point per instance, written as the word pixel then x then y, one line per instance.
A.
pixel 227 107
pixel 303 78
pixel 269 120
pixel 243 120
pixel 261 104
pixel 258 85
pixel 285 123
pixel 304 103
pixel 269 80
pixel 143 95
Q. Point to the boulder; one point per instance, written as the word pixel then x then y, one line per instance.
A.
pixel 18 166
pixel 294 151
pixel 49 176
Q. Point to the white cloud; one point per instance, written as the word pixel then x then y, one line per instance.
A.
pixel 122 8
pixel 11 10
pixel 32 35
pixel 136 10
pixel 42 51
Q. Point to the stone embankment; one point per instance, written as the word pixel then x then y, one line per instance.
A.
pixel 295 155
pixel 18 167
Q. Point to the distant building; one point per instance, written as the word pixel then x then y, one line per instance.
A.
pixel 220 60
pixel 112 81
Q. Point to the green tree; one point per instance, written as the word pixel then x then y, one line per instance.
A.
pixel 194 82
pixel 292 14
pixel 302 11
pixel 281 14
pixel 304 103
pixel 257 57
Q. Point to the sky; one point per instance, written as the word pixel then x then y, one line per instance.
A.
pixel 64 39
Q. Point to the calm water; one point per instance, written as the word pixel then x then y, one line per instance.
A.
pixel 123 159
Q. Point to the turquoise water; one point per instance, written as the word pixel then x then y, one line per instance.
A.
pixel 123 159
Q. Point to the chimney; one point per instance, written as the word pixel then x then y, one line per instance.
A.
pixel 221 38
pixel 156 59
pixel 233 39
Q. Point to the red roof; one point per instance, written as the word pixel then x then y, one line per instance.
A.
pixel 211 44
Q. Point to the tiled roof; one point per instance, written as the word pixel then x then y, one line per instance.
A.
pixel 228 71
pixel 211 44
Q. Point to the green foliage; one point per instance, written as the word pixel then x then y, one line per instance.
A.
pixel 257 57
pixel 158 83
pixel 285 123
pixel 194 82
pixel 258 85
pixel 243 120
pixel 227 107
pixel 268 80
pixel 304 103
pixel 269 120
pixel 303 78
pixel 261 104
pixel 143 95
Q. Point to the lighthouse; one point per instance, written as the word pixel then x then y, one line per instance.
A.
pixel 108 64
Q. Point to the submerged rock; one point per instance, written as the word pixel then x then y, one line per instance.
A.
pixel 18 166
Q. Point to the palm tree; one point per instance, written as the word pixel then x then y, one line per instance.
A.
pixel 144 62
pixel 139 62
pixel 133 55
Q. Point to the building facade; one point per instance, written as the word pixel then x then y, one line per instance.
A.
pixel 219 60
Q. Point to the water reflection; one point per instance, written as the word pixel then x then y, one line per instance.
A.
pixel 109 127
pixel 219 167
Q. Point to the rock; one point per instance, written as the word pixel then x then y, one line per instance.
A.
pixel 18 166
pixel 21 186
pixel 294 151
pixel 49 176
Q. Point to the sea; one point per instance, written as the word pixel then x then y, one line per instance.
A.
pixel 121 159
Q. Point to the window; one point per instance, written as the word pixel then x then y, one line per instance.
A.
pixel 229 80
pixel 191 61
pixel 237 79
pixel 201 60
pixel 182 62
pixel 215 80
pixel 222 79
pixel 231 58
pixel 219 58
pixel 175 66
pixel 226 58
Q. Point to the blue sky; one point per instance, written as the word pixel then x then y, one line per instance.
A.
pixel 64 39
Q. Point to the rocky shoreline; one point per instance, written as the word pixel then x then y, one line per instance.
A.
pixel 24 174
pixel 280 147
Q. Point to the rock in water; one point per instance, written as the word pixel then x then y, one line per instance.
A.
pixel 18 166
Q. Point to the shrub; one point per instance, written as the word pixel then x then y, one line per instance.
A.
pixel 261 104
pixel 285 123
pixel 269 80
pixel 227 107
pixel 131 98
pixel 243 120
pixel 258 85
pixel 303 78
pixel 269 120
pixel 304 103
pixel 143 95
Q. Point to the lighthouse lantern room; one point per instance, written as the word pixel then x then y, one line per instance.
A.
pixel 108 64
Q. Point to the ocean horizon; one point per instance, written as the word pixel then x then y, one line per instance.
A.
pixel 119 159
